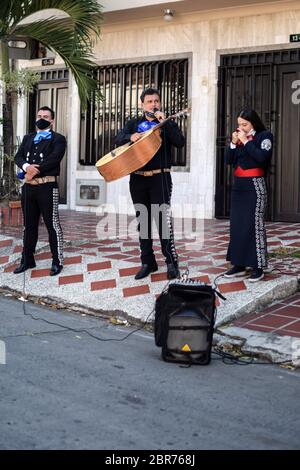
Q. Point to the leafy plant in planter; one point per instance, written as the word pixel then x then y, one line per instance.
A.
pixel 21 81
pixel 10 192
pixel 10 187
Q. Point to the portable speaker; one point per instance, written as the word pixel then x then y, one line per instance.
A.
pixel 184 322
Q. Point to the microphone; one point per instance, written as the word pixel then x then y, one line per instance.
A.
pixel 154 112
pixel 151 114
pixel 160 118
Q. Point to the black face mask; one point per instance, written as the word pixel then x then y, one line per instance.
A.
pixel 42 124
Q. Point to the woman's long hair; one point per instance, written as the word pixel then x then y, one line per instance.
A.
pixel 252 116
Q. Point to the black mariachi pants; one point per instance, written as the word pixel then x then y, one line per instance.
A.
pixel 41 199
pixel 151 196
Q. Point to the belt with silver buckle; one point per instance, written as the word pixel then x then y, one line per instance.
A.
pixel 152 172
pixel 42 180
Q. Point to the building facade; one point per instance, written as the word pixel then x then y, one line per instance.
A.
pixel 213 57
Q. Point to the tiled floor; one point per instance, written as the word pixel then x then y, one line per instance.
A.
pixel 120 260
pixel 282 318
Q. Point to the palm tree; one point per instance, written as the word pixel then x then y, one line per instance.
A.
pixel 70 34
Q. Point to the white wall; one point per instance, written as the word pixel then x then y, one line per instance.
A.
pixel 113 5
pixel 203 36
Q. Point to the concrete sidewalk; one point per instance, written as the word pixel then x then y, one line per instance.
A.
pixel 98 278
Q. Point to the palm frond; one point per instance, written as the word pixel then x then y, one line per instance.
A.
pixel 69 47
pixel 11 12
pixel 6 18
pixel 5 10
pixel 80 12
pixel 71 36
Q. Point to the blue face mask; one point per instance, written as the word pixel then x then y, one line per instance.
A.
pixel 146 125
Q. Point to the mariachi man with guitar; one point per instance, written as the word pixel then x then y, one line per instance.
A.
pixel 151 185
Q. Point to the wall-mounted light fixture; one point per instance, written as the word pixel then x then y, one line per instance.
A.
pixel 168 14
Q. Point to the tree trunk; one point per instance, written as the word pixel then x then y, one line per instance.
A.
pixel 8 137
pixel 7 149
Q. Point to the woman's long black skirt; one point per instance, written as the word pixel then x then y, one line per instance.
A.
pixel 248 241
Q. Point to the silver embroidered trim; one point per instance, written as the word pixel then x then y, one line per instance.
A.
pixel 260 231
pixel 170 225
pixel 57 226
pixel 266 144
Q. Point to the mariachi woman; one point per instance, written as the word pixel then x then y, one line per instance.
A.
pixel 249 152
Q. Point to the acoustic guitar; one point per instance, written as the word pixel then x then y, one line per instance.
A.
pixel 130 157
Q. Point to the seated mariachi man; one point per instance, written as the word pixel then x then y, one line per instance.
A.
pixel 39 156
pixel 249 153
pixel 151 185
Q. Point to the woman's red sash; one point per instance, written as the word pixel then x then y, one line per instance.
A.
pixel 248 173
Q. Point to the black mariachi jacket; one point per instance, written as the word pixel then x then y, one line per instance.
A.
pixel 170 134
pixel 256 153
pixel 48 153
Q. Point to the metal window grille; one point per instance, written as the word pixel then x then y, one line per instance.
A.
pixel 54 75
pixel 121 87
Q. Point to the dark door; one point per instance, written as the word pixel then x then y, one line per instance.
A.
pixel 239 86
pixel 287 180
pixel 268 81
pixel 55 95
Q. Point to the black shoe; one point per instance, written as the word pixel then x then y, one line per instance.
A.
pixel 145 270
pixel 173 271
pixel 24 266
pixel 55 269
pixel 257 275
pixel 236 271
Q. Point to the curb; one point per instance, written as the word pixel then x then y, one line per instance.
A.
pixel 268 346
pixel 287 287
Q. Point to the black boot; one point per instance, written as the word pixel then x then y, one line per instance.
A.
pixel 145 270
pixel 23 266
pixel 55 269
pixel 172 271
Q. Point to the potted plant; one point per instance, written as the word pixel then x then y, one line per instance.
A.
pixel 10 192
pixel 17 84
